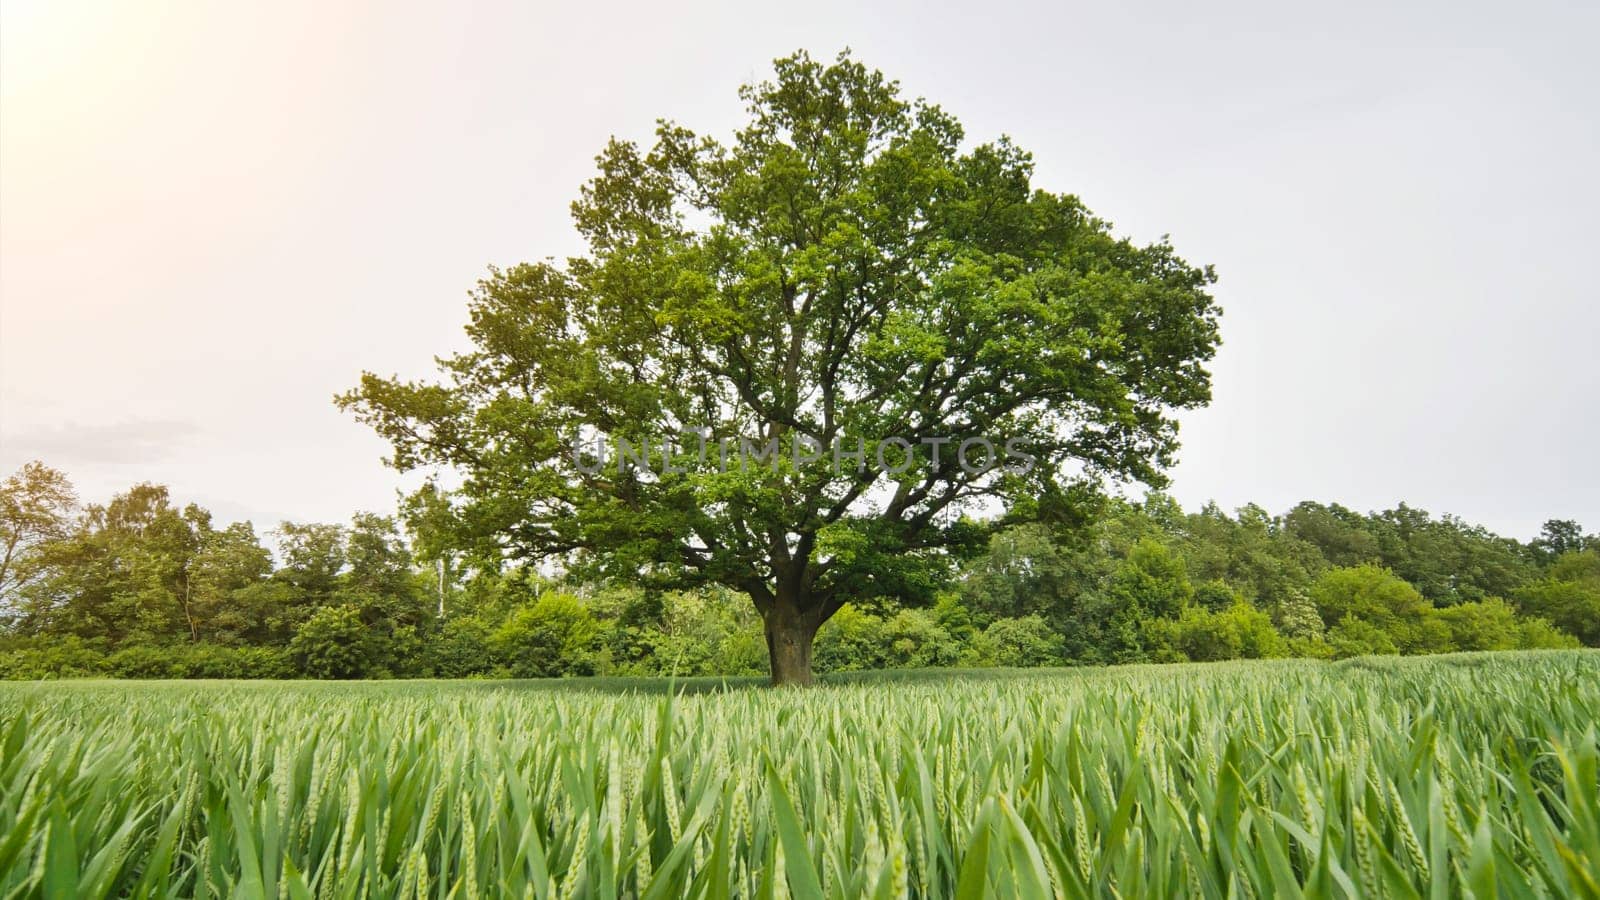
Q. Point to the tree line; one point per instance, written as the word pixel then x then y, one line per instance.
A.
pixel 142 586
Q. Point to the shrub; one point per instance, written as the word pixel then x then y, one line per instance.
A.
pixel 1539 634
pixel 143 661
pixel 1572 606
pixel 1152 580
pixel 557 636
pixel 31 659
pixel 1258 639
pixel 1022 642
pixel 742 651
pixel 1357 637
pixel 1430 634
pixel 460 649
pixel 850 641
pixel 1298 617
pixel 915 640
pixel 1309 648
pixel 1381 600
pixel 1577 565
pixel 1481 625
pixel 1239 632
pixel 953 616
pixel 1206 636
pixel 1215 595
pixel 213 661
pixel 332 643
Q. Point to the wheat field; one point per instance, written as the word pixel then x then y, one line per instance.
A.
pixel 1439 777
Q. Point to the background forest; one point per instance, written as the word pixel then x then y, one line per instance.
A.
pixel 143 586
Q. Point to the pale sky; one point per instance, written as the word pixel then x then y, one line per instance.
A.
pixel 214 216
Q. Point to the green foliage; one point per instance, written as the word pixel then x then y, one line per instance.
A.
pixel 333 643
pixel 32 658
pixel 141 588
pixel 1445 559
pixel 951 614
pixel 1152 581
pixel 1251 552
pixel 1560 537
pixel 36 507
pixel 1023 641
pixel 850 641
pixel 1127 618
pixel 1025 571
pixel 1399 778
pixel 142 661
pixel 555 636
pixel 461 650
pixel 1538 634
pixel 1238 632
pixel 1482 625
pixel 1298 617
pixel 917 640
pixel 846 268
pixel 1215 595
pixel 855 640
pixel 1569 597
pixel 680 632
pixel 1581 566
pixel 1375 598
pixel 211 661
pixel 1351 636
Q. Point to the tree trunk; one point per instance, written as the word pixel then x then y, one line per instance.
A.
pixel 789 636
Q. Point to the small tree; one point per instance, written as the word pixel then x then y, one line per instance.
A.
pixel 1356 637
pixel 1374 598
pixel 1298 617
pixel 36 505
pixel 555 636
pixel 1573 606
pixel 842 276
pixel 1483 625
pixel 333 643
pixel 1024 641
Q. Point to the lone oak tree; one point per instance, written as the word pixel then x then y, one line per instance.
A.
pixel 842 273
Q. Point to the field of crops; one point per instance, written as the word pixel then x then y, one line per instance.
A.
pixel 1417 777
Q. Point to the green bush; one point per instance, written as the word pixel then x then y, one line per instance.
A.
pixel 1572 606
pixel 557 636
pixel 915 640
pixel 140 661
pixel 460 649
pixel 1358 637
pixel 1539 634
pixel 333 643
pixel 1239 632
pixel 1023 641
pixel 854 640
pixel 1205 636
pixel 742 651
pixel 954 616
pixel 1215 595
pixel 1152 581
pixel 1308 648
pixel 31 659
pixel 1482 625
pixel 850 641
pixel 685 633
pixel 1382 601
pixel 1257 637
pixel 213 661
pixel 1298 617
